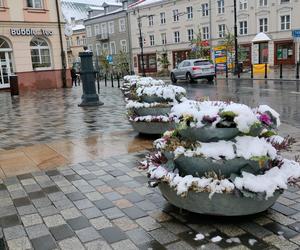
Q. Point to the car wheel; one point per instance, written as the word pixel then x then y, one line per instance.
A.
pixel 189 77
pixel 173 78
pixel 210 78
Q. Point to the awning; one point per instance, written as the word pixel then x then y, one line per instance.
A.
pixel 261 37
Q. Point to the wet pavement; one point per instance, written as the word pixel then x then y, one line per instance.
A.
pixel 69 178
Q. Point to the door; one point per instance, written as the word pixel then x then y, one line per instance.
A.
pixel 5 69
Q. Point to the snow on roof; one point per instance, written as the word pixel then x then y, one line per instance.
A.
pixel 95 8
pixel 261 37
pixel 78 27
pixel 79 8
pixel 143 3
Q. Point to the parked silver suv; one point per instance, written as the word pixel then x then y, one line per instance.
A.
pixel 191 70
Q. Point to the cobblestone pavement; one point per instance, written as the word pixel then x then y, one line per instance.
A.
pixel 106 204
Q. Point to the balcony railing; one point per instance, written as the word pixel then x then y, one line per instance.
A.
pixel 102 37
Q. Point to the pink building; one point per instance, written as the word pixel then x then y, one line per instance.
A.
pixel 32 44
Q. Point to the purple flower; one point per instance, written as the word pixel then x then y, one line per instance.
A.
pixel 265 118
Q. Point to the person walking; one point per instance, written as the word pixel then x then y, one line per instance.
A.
pixel 74 77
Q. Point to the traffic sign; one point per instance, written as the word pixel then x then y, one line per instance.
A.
pixel 109 58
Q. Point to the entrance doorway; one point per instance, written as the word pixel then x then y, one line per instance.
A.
pixel 6 68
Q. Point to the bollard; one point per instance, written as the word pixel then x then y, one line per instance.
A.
pixel 14 85
pixel 89 96
pixel 239 73
pixel 280 76
pixel 118 79
pixel 105 80
pixel 251 71
pixel 215 70
pixel 297 70
pixel 112 80
pixel 266 71
pixel 226 70
pixel 98 82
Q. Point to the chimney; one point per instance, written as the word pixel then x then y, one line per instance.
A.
pixel 73 21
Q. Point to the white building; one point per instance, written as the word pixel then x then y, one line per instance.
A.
pixel 168 26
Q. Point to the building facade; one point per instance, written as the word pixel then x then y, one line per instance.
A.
pixel 107 34
pixel 31 44
pixel 168 27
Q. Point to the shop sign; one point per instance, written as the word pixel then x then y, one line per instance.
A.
pixel 30 32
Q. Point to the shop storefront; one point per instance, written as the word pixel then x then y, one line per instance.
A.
pixel 284 52
pixel 30 48
pixel 179 56
pixel 150 63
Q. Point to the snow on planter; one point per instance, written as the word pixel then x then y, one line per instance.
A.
pixel 150 104
pixel 225 175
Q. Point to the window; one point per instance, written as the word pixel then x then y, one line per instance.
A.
pixel 176 37
pixel 263 3
pixel 36 4
pixel 103 29
pixel 105 47
pixel 284 1
pixel 88 31
pixel 221 8
pixel 243 4
pixel 122 25
pixel 221 30
pixel 175 15
pixel 285 22
pixel 1 3
pixel 205 33
pixel 78 41
pixel 97 29
pixel 162 18
pixel 263 24
pixel 112 47
pixel 190 34
pixel 83 40
pixel 111 27
pixel 123 44
pixel 204 8
pixel 189 11
pixel 163 38
pixel 40 53
pixel 150 19
pixel 151 38
pixel 243 28
pixel 98 49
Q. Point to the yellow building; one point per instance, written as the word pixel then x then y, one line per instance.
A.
pixel 32 44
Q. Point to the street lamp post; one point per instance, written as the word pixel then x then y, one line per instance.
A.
pixel 236 59
pixel 141 44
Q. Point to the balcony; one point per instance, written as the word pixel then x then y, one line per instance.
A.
pixel 102 37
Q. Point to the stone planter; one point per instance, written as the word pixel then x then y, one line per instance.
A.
pixel 152 128
pixel 198 166
pixel 154 111
pixel 153 98
pixel 208 134
pixel 219 204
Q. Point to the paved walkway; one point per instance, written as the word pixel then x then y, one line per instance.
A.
pixel 83 190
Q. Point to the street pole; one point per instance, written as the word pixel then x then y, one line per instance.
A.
pixel 141 46
pixel 236 59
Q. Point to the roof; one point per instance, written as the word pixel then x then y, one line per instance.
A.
pixel 261 37
pixel 79 8
pixel 143 3
pixel 78 27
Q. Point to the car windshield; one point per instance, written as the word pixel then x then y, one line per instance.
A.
pixel 200 63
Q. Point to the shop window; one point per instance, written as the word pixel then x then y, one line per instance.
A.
pixel 150 63
pixel 284 51
pixel 36 4
pixel 40 53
